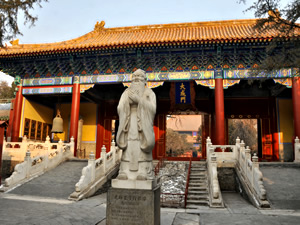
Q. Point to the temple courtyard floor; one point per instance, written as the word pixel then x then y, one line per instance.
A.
pixel 281 181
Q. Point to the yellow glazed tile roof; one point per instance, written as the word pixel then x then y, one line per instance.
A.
pixel 101 37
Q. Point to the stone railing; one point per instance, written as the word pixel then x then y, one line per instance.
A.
pixel 214 186
pixel 50 156
pixel 297 150
pixel 97 172
pixel 247 170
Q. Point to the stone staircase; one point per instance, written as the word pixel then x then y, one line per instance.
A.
pixel 198 186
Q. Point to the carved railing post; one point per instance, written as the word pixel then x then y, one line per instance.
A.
pixel 92 165
pixel 113 151
pixel 247 157
pixel 208 144
pixel 103 156
pixel 72 145
pixel 60 150
pixel 297 150
pixel 28 161
pixel 237 148
pixel 214 174
pixel 24 145
pixel 255 165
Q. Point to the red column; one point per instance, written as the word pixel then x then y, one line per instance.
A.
pixel 17 114
pixel 219 109
pixel 296 105
pixel 75 112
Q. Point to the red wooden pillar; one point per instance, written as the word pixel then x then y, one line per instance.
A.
pixel 296 105
pixel 75 112
pixel 219 110
pixel 17 114
pixel 159 127
pixel 104 127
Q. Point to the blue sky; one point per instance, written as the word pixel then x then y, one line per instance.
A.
pixel 61 20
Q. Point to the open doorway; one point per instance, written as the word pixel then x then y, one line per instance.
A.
pixel 184 136
pixel 246 130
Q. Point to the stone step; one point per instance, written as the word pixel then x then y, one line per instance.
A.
pixel 197 197
pixel 198 169
pixel 199 183
pixel 193 206
pixel 198 177
pixel 203 188
pixel 197 202
pixel 198 192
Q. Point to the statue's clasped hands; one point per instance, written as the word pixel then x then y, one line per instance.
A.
pixel 134 96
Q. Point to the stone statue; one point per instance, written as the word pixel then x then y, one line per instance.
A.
pixel 136 109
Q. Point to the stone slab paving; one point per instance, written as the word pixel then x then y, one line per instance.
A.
pixel 282 181
pixel 40 211
pixel 34 208
pixel 56 183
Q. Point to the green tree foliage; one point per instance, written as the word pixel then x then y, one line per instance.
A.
pixel 284 50
pixel 245 129
pixel 177 142
pixel 6 92
pixel 9 11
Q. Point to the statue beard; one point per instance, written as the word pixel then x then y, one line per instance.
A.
pixel 137 87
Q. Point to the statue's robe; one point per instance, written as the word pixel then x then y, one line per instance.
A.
pixel 135 134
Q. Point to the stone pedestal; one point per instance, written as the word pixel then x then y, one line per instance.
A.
pixel 133 206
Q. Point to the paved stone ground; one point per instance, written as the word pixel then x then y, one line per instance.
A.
pixel 282 181
pixel 57 183
pixel 17 208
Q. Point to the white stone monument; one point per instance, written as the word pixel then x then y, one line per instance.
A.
pixel 135 196
pixel 136 109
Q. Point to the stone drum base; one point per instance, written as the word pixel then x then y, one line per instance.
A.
pixel 133 207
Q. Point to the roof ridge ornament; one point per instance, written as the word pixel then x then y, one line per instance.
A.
pixel 14 42
pixel 99 26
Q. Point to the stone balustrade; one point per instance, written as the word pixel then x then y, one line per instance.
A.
pixel 49 156
pixel 214 186
pixel 97 172
pixel 297 150
pixel 247 169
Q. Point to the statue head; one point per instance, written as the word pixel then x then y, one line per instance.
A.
pixel 139 76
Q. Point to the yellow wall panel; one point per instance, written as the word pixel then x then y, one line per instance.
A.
pixel 88 111
pixel 35 111
pixel 286 119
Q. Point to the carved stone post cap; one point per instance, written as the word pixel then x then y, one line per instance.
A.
pixel 208 140
pixel 60 141
pixel 24 139
pixel 296 139
pixel 238 140
pixel 103 149
pixel 247 150
pixel 254 158
pixel 48 138
pixel 92 155
pixel 113 143
pixel 72 139
pixel 28 153
pixel 242 143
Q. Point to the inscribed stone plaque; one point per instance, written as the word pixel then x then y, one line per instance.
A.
pixel 133 207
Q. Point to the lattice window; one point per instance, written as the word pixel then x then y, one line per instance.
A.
pixel 39 131
pixel 27 127
pixel 32 129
